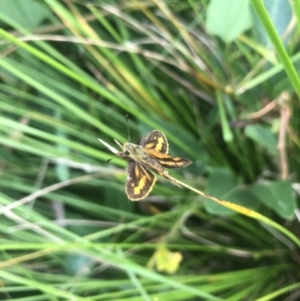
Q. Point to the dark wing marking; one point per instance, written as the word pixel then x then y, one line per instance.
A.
pixel 168 161
pixel 139 182
pixel 155 140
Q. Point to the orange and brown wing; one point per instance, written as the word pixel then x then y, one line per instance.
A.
pixel 139 182
pixel 155 140
pixel 168 161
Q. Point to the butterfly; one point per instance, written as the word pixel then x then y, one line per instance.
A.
pixel 150 155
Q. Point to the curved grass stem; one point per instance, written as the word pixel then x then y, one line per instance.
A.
pixel 238 208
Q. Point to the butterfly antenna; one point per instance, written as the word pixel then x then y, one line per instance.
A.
pixel 127 122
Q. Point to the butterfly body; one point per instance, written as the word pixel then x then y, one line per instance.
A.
pixel 151 154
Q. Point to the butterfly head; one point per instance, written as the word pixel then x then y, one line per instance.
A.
pixel 127 149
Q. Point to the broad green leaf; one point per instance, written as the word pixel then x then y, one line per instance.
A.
pixel 29 13
pixel 263 136
pixel 280 13
pixel 221 184
pixel 228 18
pixel 278 196
pixel 243 197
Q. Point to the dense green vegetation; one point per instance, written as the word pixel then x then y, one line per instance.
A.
pixel 220 79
